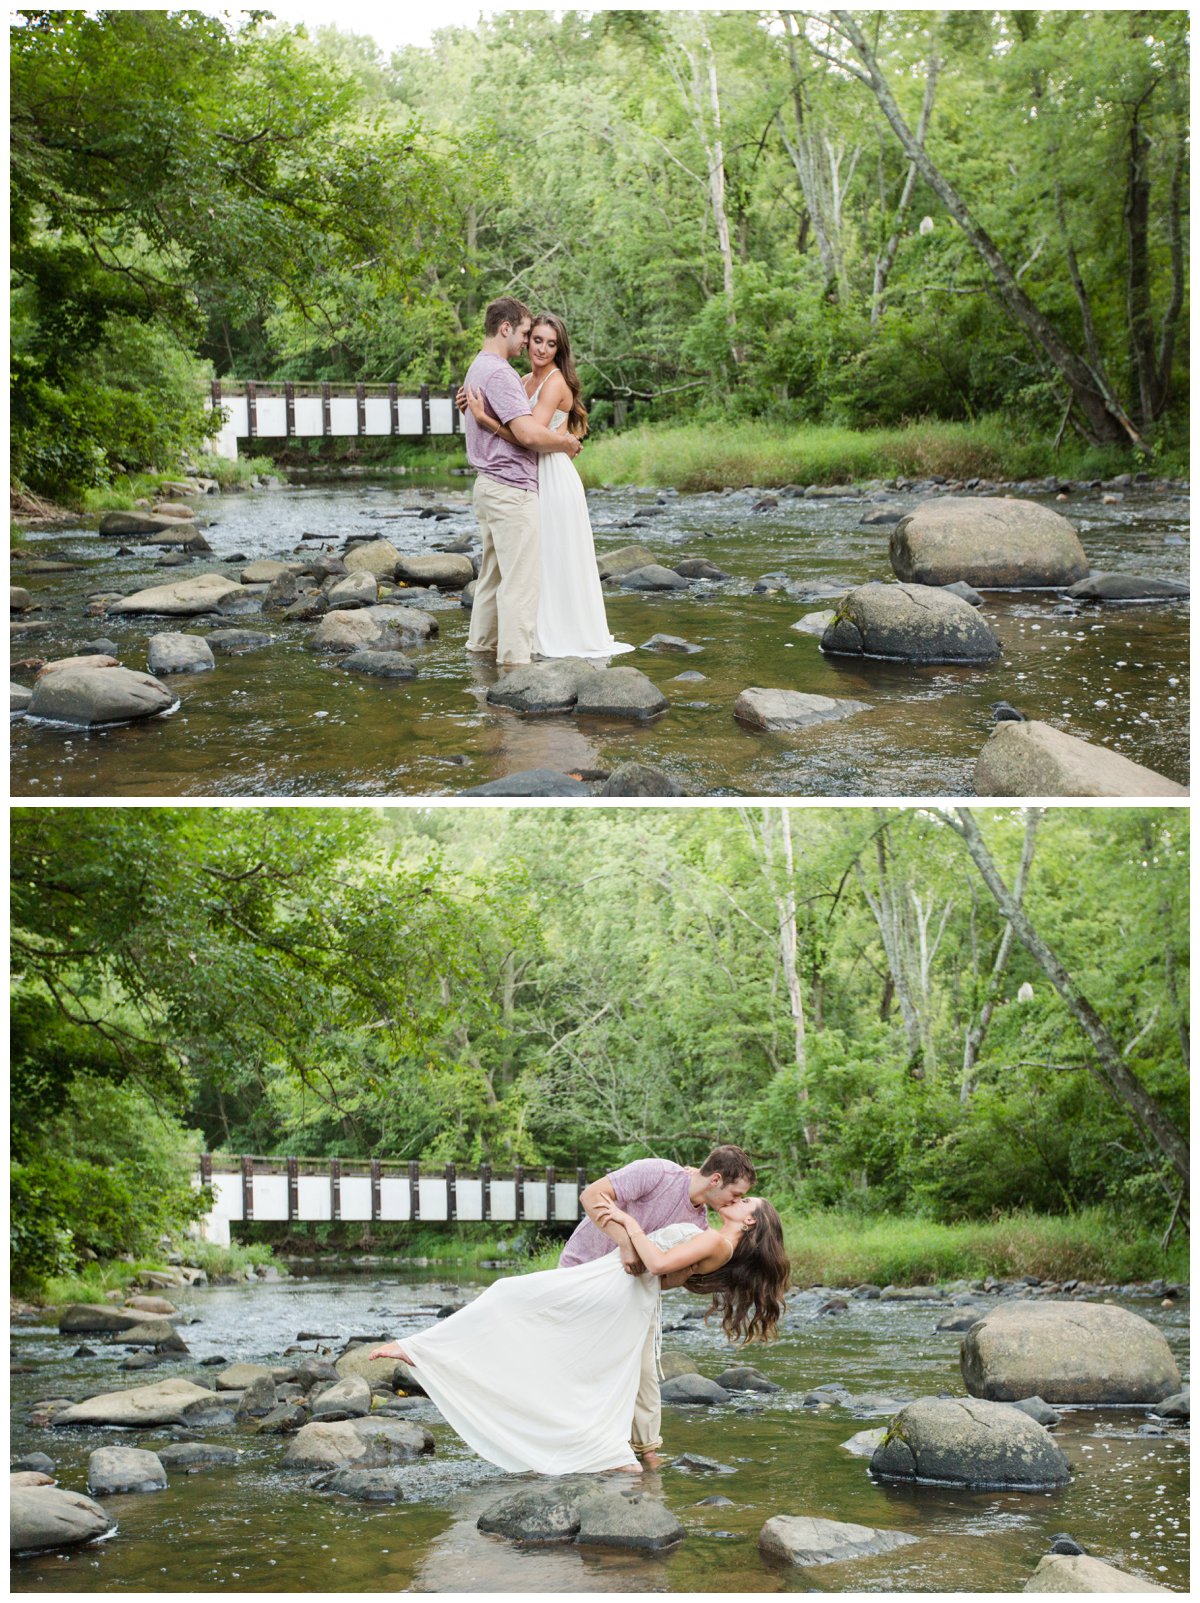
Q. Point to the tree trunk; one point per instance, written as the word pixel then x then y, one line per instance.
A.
pixel 1108 1065
pixel 979 1029
pixel 1095 400
pixel 885 261
pixel 1137 280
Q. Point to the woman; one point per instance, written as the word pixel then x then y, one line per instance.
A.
pixel 571 620
pixel 541 1371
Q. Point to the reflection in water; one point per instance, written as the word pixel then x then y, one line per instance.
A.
pixel 255 1527
pixel 283 721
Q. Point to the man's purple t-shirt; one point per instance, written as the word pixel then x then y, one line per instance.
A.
pixel 504 398
pixel 654 1191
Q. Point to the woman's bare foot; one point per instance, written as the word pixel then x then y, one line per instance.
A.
pixel 629 1469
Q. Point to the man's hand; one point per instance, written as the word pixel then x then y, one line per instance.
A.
pixel 630 1262
pixel 574 446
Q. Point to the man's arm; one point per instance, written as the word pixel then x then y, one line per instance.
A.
pixel 536 437
pixel 601 1191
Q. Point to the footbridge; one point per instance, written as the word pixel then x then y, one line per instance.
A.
pixel 297 410
pixel 245 1189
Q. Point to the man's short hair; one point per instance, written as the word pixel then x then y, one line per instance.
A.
pixel 505 310
pixel 731 1163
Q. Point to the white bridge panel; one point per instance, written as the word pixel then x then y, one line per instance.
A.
pixel 377 414
pixel 356 1196
pixel 393 1198
pixel 270 1196
pixel 270 416
pixel 314 1200
pixel 343 414
pixel 308 414
pixel 468 1195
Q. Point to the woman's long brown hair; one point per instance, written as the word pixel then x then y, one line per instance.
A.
pixel 748 1291
pixel 577 416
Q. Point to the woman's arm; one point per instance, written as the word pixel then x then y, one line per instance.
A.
pixel 486 420
pixel 686 1254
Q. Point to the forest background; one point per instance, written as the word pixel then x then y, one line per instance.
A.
pixel 787 244
pixel 953 1041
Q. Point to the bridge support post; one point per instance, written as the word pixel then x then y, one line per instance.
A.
pixel 455 418
pixel 360 397
pixel 394 406
pixel 293 1188
pixel 326 413
pixel 335 1188
pixel 485 1187
pixel 581 1180
pixel 206 1168
pixel 376 1188
pixel 414 1191
pixel 519 1180
pixel 550 1195
pixel 426 426
pixel 252 409
pixel 248 1189
pixel 289 397
pixel 451 1192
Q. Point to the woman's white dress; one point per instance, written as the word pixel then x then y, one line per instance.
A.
pixel 570 620
pixel 541 1371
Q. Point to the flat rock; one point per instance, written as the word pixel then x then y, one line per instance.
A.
pixel 390 1372
pixel 366 1443
pixel 1039 1411
pixel 814 623
pixel 376 628
pixel 1035 759
pixel 677 1364
pixel 744 1377
pixel 349 1398
pixel 374 556
pixel 1067 1352
pixel 1178 1406
pixel 363 1485
pixel 444 569
pixel 184 598
pixel 693 1389
pixel 990 543
pixel 266 571
pixel 864 1442
pixel 620 693
pixel 964 593
pixel 909 623
pixel 782 710
pixel 1127 587
pixel 91 696
pixel 40 1462
pixel 882 513
pixel 699 568
pixel 969 1442
pixel 157 1333
pixel 48 1517
pixel 625 560
pixel 188 1456
pixel 232 642
pixel 670 643
pixel 80 1318
pixel 112 1470
pixel 652 577
pixel 961 1319
pixel 18 697
pixel 239 1376
pixel 1069 1572
pixel 804 1541
pixel 639 779
pixel 126 524
pixel 161 1403
pixel 380 664
pixel 542 687
pixel 179 653
pixel 29 1477
pixel 609 1519
pixel 360 589
pixel 151 1305
pixel 532 782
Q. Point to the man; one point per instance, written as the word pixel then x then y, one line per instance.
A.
pixel 504 612
pixel 656 1192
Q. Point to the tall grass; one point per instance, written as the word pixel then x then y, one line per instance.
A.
pixel 92 1282
pixel 712 456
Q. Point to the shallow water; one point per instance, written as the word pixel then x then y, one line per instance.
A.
pixel 255 1527
pixel 283 721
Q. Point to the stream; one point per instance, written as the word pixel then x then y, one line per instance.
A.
pixel 255 1527
pixel 283 721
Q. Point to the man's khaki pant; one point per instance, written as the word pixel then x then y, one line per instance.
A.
pixel 504 612
pixel 647 1410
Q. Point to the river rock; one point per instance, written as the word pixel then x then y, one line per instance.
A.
pixel 744 1377
pixel 1067 1352
pixel 161 1403
pixel 157 1333
pixel 619 693
pixel 639 779
pixel 266 570
pixel 693 1389
pixel 967 1442
pixel 781 710
pixel 443 569
pixel 380 664
pixel 360 589
pixel 625 560
pixel 367 1443
pixel 699 568
pixel 992 544
pixel 189 1456
pixel 391 1372
pixel 178 653
pixel 961 1319
pixel 909 623
pixel 231 642
pixel 19 600
pixel 881 514
pixel 172 509
pixel 238 1376
pixel 184 598
pixel 532 782
pixel 803 1541
pixel 1062 1572
pixel 378 557
pixel 18 697
pixel 42 1463
pixel 213 1411
pixel 29 1477
pixel 364 1485
pixel 1178 1406
pixel 670 643
pixel 1039 1411
pixel 257 1400
pixel 151 1305
pixel 92 696
pixel 706 1466
pixel 814 623
pixel 673 1364
pixel 864 1442
pixel 652 577
pixel 1127 587
pixel 345 1399
pixel 112 1470
pixel 607 1518
pixel 284 1418
pixel 1035 759
pixel 80 1318
pixel 376 628
pixel 282 592
pixel 124 524
pixel 46 1517
pixel 542 687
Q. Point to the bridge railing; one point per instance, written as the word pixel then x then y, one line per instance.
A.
pixel 285 1189
pixel 298 410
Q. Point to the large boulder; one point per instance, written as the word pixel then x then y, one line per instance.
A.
pixel 178 653
pixel 992 544
pixel 744 1377
pixel 966 1442
pixel 909 623
pixel 374 1371
pixel 609 1518
pixel 652 577
pixel 48 1517
pixel 85 1318
pixel 112 1470
pixel 374 628
pixel 345 1399
pixel 367 1443
pixel 1078 1572
pixel 551 686
pixel 444 569
pixel 804 1541
pixel 127 525
pixel 774 710
pixel 620 693
pixel 161 1403
pixel 360 589
pixel 378 557
pixel 183 598
pixel 615 564
pixel 695 1390
pixel 1067 1352
pixel 1035 759
pixel 91 696
pixel 640 779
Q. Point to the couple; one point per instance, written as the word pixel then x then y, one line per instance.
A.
pixel 546 1371
pixel 538 591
